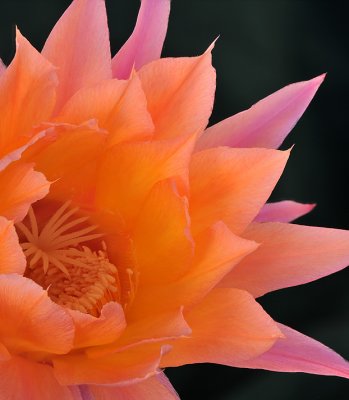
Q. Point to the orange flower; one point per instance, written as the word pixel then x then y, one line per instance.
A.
pixel 130 239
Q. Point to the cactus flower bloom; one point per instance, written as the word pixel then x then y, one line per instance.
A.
pixel 132 238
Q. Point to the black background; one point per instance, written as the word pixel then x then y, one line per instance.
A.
pixel 263 45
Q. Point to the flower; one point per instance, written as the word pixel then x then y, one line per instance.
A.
pixel 131 238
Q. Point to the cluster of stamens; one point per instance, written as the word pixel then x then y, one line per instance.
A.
pixel 74 275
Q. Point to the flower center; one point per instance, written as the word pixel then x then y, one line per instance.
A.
pixel 75 275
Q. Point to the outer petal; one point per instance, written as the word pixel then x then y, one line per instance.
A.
pixel 228 326
pixel 20 186
pixel 91 331
pixel 33 323
pixel 267 123
pixel 156 387
pixel 180 94
pixel 283 211
pixel 145 43
pixel 300 353
pixel 120 107
pixel 79 47
pixel 2 67
pixel 22 379
pixel 289 255
pixel 131 366
pixel 235 185
pixel 11 254
pixel 162 230
pixel 146 164
pixel 27 95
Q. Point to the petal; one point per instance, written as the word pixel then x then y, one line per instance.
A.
pixel 2 67
pixel 265 124
pixel 33 323
pixel 120 107
pixel 92 331
pixel 299 353
pixel 11 254
pixel 27 95
pixel 4 354
pixel 79 47
pixel 20 187
pixel 130 366
pixel 283 211
pixel 145 43
pixel 23 379
pixel 244 330
pixel 289 255
pixel 162 230
pixel 217 251
pixel 146 164
pixel 232 185
pixel 156 387
pixel 180 94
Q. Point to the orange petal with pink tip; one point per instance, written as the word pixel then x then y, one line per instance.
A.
pixel 10 249
pixel 33 322
pixel 130 170
pixel 130 366
pixel 265 124
pixel 283 211
pixel 235 187
pixel 245 331
pixel 180 94
pixel 120 107
pixel 79 47
pixel 92 331
pixel 217 251
pixel 289 255
pixel 28 81
pixel 23 379
pixel 145 43
pixel 156 387
pixel 20 186
pixel 162 230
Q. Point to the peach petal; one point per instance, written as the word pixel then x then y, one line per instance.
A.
pixel 146 41
pixel 92 331
pixel 10 250
pixel 146 164
pixel 79 47
pixel 265 124
pixel 289 255
pixel 23 379
pixel 33 322
pixel 235 187
pixel 180 94
pixel 299 353
pixel 128 367
pixel 217 251
pixel 28 81
pixel 120 107
pixel 156 387
pixel 162 230
pixel 283 211
pixel 20 187
pixel 245 331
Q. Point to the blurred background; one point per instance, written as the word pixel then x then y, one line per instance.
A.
pixel 263 46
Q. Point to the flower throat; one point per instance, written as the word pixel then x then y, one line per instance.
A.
pixel 75 275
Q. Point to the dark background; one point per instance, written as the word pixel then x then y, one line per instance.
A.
pixel 263 45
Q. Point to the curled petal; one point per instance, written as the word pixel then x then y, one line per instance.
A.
pixel 33 322
pixel 145 43
pixel 265 124
pixel 289 255
pixel 79 47
pixel 283 211
pixel 299 353
pixel 13 259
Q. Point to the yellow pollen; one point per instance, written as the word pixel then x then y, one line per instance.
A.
pixel 74 275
